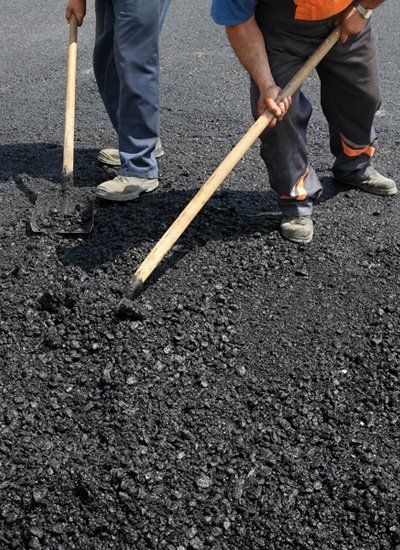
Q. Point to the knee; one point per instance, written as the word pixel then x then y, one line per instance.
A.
pixel 285 132
pixel 372 100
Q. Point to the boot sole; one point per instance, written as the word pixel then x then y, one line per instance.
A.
pixel 119 197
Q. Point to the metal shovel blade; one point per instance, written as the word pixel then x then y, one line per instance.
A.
pixel 69 210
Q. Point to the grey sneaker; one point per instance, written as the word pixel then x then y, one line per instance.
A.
pixel 159 150
pixel 124 188
pixel 299 230
pixel 111 156
pixel 375 184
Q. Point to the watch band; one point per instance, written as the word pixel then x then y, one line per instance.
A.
pixel 365 12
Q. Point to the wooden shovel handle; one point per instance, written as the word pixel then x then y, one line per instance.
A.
pixel 68 163
pixel 224 169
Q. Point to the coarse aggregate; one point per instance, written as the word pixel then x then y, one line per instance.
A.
pixel 250 398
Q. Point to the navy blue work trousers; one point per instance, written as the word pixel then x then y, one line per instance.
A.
pixel 126 66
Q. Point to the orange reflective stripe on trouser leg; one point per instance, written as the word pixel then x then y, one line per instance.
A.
pixel 315 10
pixel 298 192
pixel 352 150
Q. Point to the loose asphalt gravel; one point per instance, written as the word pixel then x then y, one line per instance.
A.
pixel 251 399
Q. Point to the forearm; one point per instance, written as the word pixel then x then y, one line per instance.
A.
pixel 371 4
pixel 248 42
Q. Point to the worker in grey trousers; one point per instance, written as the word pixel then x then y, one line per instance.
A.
pixel 273 39
pixel 126 67
pixel 350 97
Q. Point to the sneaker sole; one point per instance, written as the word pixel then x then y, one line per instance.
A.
pixel 108 162
pixel 119 197
pixel 298 241
pixel 367 189
pixel 379 192
pixel 116 163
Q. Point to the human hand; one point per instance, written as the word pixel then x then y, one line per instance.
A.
pixel 268 96
pixel 352 23
pixel 77 7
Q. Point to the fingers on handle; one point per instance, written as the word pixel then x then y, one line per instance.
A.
pixel 278 110
pixel 76 19
pixel 287 102
pixel 274 108
pixel 71 15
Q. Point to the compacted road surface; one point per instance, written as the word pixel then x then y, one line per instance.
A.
pixel 251 399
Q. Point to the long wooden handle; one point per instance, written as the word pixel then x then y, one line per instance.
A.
pixel 68 163
pixel 224 169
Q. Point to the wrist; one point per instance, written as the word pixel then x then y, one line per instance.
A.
pixel 362 9
pixel 266 84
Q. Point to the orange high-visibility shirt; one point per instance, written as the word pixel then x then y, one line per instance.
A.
pixel 236 12
pixel 313 10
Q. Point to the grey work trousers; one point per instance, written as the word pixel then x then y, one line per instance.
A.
pixel 350 97
pixel 126 66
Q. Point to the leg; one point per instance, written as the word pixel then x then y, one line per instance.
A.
pixel 136 38
pixel 284 151
pixel 164 9
pixel 350 97
pixel 284 148
pixel 103 59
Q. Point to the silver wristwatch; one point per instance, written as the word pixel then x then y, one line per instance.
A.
pixel 366 13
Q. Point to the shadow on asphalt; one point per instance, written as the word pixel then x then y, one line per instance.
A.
pixel 39 160
pixel 23 162
pixel 229 216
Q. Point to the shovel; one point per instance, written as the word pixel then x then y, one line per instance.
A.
pixel 67 209
pixel 168 240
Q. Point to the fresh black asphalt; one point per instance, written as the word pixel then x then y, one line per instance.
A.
pixel 251 400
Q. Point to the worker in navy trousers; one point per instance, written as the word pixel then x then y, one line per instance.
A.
pixel 126 67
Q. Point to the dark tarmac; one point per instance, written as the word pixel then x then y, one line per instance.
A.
pixel 251 401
